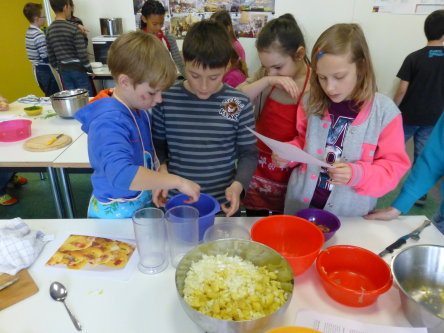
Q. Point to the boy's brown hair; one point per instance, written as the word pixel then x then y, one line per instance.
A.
pixel 342 39
pixel 143 58
pixel 207 44
pixel 58 5
pixel 32 10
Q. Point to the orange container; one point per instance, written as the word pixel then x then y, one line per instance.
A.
pixel 292 329
pixel 352 275
pixel 298 240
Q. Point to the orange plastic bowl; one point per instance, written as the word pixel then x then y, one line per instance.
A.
pixel 292 329
pixel 298 240
pixel 352 275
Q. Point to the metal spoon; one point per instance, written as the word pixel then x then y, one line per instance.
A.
pixel 58 293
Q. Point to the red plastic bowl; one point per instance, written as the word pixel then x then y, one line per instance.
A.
pixel 15 130
pixel 298 240
pixel 352 275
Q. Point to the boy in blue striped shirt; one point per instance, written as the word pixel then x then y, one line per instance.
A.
pixel 200 129
pixel 36 49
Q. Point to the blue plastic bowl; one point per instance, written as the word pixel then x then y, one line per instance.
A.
pixel 207 206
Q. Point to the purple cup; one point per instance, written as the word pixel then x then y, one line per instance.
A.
pixel 321 217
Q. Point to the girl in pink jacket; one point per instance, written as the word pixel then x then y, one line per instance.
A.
pixel 351 127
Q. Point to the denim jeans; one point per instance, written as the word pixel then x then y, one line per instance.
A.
pixel 438 221
pixel 73 79
pixel 46 80
pixel 420 136
pixel 5 177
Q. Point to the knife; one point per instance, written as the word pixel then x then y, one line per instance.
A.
pixel 50 142
pixel 402 240
pixel 7 284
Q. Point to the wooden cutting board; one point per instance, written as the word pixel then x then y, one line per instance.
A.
pixel 39 143
pixel 23 288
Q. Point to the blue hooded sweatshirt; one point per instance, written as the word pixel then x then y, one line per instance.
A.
pixel 114 147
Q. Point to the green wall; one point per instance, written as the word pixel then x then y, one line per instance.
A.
pixel 17 79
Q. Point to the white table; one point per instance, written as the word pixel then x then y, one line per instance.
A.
pixel 75 156
pixel 149 303
pixel 13 155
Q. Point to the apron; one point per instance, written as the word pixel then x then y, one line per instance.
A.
pixel 123 207
pixel 268 185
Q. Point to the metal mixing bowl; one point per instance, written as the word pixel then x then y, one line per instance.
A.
pixel 65 103
pixel 419 272
pixel 258 254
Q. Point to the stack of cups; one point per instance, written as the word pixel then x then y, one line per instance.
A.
pixel 179 227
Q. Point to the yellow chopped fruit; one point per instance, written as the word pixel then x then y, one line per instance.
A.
pixel 231 288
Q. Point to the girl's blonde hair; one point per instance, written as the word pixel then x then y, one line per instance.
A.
pixel 342 39
pixel 143 58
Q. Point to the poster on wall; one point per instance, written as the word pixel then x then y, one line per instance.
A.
pixel 248 16
pixel 420 7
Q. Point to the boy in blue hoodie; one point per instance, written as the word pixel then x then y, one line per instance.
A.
pixel 120 146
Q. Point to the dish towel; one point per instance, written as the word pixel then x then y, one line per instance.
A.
pixel 33 99
pixel 19 245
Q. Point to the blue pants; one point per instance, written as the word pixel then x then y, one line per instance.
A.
pixel 5 177
pixel 438 220
pixel 420 136
pixel 73 79
pixel 46 80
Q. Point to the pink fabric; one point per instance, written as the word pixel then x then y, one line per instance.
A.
pixel 378 176
pixel 234 77
pixel 239 49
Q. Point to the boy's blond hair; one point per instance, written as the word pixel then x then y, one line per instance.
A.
pixel 143 58
pixel 342 39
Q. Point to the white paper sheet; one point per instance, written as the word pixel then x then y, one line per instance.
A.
pixel 288 151
pixel 332 324
pixel 100 271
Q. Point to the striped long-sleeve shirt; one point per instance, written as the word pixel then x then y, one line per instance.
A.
pixel 66 45
pixel 204 138
pixel 35 42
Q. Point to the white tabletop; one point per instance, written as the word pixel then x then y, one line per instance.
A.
pixel 75 156
pixel 149 303
pixel 14 155
pixel 102 71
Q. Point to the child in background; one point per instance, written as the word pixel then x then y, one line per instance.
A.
pixel 200 129
pixel 420 95
pixel 278 88
pixel 153 16
pixel 77 21
pixel 426 172
pixel 119 130
pixel 238 70
pixel 37 51
pixel 350 126
pixel 66 48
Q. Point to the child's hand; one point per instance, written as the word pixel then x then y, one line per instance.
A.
pixel 386 214
pixel 3 104
pixel 280 162
pixel 189 188
pixel 285 83
pixel 232 194
pixel 83 29
pixel 340 174
pixel 160 197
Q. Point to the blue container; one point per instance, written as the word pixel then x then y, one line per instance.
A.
pixel 207 206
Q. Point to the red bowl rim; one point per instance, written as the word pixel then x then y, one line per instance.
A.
pixel 299 219
pixel 322 273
